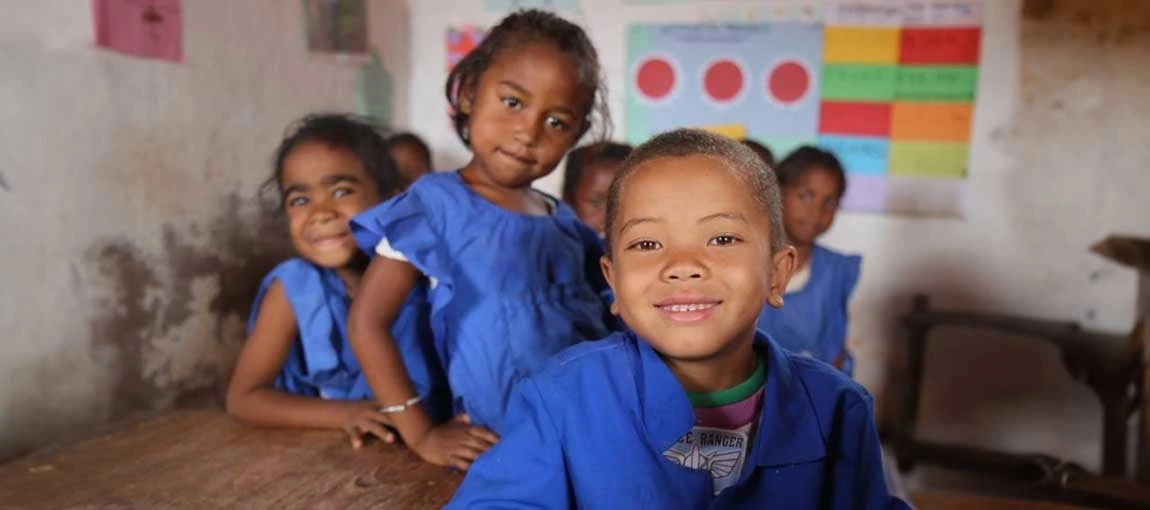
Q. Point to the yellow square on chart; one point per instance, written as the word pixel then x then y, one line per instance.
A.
pixel 861 45
pixel 736 131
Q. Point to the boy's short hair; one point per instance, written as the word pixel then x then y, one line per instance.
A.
pixel 681 143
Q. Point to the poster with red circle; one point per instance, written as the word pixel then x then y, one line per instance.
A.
pixel 888 89
pixel 759 81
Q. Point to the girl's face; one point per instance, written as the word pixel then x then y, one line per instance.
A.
pixel 324 187
pixel 691 262
pixel 527 111
pixel 591 193
pixel 809 205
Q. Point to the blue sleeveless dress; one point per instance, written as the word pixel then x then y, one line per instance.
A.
pixel 321 363
pixel 508 289
pixel 813 320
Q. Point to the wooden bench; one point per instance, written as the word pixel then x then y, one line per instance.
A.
pixel 204 459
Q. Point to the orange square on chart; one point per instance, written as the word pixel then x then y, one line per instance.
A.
pixel 931 121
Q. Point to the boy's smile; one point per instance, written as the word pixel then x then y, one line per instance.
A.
pixel 688 307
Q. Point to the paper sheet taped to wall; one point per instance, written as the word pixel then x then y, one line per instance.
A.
pixel 336 26
pixel 140 28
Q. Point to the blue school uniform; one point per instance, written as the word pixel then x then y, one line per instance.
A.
pixel 589 431
pixel 322 364
pixel 813 320
pixel 510 290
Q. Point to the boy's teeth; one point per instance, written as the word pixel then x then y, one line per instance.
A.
pixel 689 308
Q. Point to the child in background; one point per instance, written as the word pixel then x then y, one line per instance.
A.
pixel 813 321
pixel 590 170
pixel 762 151
pixel 691 408
pixel 513 271
pixel 296 369
pixel 412 155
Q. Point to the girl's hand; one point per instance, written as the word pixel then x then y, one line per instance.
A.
pixel 456 443
pixel 367 422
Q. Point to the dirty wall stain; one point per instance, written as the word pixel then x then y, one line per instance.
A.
pixel 172 322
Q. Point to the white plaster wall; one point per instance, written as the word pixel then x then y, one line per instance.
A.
pixel 1045 183
pixel 130 228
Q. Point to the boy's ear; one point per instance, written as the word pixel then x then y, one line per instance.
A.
pixel 782 267
pixel 608 270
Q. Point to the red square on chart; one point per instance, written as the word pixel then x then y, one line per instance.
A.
pixel 957 45
pixel 854 118
pixel 141 28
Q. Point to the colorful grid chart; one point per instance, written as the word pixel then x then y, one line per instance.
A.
pixel 890 91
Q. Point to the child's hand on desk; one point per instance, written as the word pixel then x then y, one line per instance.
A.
pixel 456 443
pixel 367 422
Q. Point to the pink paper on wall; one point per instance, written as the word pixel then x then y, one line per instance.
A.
pixel 141 28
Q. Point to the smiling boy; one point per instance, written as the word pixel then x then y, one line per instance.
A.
pixel 690 408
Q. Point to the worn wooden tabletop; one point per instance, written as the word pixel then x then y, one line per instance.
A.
pixel 204 459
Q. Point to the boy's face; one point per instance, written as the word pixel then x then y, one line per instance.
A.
pixel 324 187
pixel 809 205
pixel 591 194
pixel 691 262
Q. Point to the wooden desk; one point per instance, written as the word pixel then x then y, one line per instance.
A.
pixel 204 459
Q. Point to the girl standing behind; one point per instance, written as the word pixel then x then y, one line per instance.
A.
pixel 514 274
pixel 296 369
pixel 813 320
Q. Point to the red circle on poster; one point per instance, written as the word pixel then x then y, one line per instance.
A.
pixel 655 78
pixel 723 80
pixel 788 82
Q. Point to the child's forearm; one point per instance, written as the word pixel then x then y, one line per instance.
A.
pixel 271 408
pixel 382 364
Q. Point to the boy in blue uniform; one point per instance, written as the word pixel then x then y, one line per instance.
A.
pixel 691 408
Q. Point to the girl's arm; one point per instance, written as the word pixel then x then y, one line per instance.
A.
pixel 252 396
pixel 381 298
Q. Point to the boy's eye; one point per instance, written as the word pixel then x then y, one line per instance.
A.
pixel 297 201
pixel 645 245
pixel 557 124
pixel 511 102
pixel 340 192
pixel 724 240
